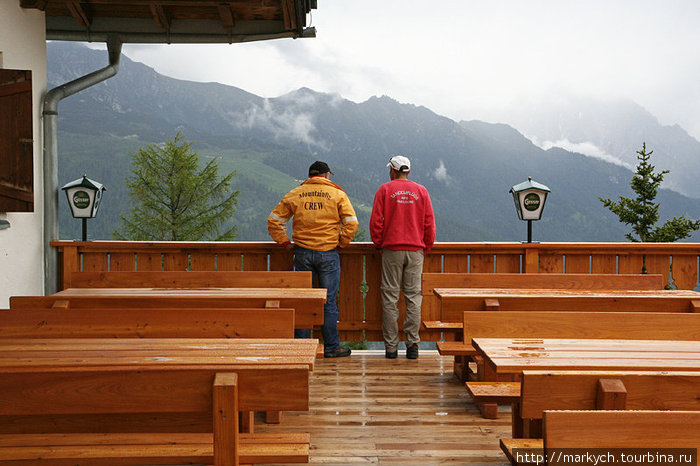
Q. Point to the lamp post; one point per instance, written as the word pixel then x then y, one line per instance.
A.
pixel 529 198
pixel 84 196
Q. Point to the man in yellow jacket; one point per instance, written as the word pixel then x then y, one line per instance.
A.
pixel 324 220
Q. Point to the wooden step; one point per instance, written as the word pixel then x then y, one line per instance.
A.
pixel 494 392
pixel 515 449
pixel 170 448
pixel 455 348
pixel 444 326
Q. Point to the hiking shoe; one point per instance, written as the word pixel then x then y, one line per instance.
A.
pixel 412 352
pixel 337 353
pixel 391 354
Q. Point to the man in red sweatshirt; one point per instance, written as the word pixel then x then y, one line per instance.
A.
pixel 403 226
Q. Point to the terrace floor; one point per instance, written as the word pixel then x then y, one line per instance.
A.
pixel 367 409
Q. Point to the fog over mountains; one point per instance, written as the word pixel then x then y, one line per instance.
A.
pixel 612 130
pixel 468 167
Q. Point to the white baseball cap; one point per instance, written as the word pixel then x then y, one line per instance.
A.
pixel 400 163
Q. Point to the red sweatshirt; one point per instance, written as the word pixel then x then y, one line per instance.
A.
pixel 402 217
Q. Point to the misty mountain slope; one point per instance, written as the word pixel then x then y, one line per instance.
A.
pixel 138 101
pixel 468 167
pixel 614 129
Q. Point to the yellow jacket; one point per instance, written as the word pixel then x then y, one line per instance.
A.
pixel 323 216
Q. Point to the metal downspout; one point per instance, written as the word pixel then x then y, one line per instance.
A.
pixel 50 115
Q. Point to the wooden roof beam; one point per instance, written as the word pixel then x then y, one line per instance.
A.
pixel 288 15
pixel 226 15
pixel 159 15
pixel 78 13
pixel 38 4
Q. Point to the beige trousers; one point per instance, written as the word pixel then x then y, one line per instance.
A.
pixel 401 267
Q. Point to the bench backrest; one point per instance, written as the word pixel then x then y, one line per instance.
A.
pixel 572 390
pixel 131 400
pixel 572 281
pixel 147 323
pixel 621 429
pixel 308 310
pixel 228 279
pixel 593 325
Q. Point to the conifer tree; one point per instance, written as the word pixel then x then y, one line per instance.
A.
pixel 173 199
pixel 642 213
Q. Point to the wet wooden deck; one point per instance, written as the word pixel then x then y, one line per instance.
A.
pixel 366 409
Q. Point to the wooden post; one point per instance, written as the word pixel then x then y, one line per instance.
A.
pixel 61 304
pixel 71 263
pixel 225 407
pixel 491 304
pixel 612 395
pixel 532 260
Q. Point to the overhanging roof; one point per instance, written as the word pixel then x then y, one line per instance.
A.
pixel 174 21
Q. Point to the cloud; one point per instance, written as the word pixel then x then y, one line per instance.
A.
pixel 288 124
pixel 585 148
pixel 440 173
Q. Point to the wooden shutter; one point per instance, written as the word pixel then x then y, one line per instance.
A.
pixel 16 142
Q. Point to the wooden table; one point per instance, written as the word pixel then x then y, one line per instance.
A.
pixel 509 357
pixel 454 301
pixel 307 302
pixel 64 377
pixel 514 355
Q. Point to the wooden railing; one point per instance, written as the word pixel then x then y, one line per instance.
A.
pixel 359 300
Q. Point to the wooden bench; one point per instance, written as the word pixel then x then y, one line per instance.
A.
pixel 146 323
pixel 571 281
pixel 545 324
pixel 567 433
pixel 228 279
pixel 454 301
pixel 579 325
pixel 450 348
pixel 452 330
pixel 225 447
pixel 151 401
pixel 621 429
pixel 607 390
pixel 307 302
pixel 152 323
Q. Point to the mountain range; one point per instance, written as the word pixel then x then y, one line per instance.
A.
pixel 468 167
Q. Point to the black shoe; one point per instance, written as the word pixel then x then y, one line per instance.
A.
pixel 391 354
pixel 337 353
pixel 412 352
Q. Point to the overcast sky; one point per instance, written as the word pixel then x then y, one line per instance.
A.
pixel 469 59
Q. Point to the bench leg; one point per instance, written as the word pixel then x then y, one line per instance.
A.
pixel 533 428
pixel 273 417
pixel 247 422
pixel 461 368
pixel 225 407
pixel 517 421
pixel 488 410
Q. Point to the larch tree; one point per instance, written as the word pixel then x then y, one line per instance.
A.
pixel 642 212
pixel 176 198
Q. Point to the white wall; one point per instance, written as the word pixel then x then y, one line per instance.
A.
pixel 23 46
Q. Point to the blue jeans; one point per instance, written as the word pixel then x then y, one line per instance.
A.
pixel 326 266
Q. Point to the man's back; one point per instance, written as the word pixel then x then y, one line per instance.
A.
pixel 322 216
pixel 402 216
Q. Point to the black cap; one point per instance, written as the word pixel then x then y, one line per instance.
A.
pixel 319 168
